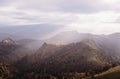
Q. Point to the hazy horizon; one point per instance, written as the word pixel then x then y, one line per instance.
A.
pixel 84 16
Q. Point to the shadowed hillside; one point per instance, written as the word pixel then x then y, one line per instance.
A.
pixel 113 73
pixel 85 56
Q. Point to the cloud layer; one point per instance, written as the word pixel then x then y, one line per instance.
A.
pixel 65 12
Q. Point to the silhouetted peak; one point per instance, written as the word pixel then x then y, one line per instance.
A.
pixel 44 44
pixel 8 41
pixel 47 44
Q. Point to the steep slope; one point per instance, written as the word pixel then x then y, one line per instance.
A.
pixel 109 42
pixel 113 73
pixel 115 42
pixel 75 57
pixel 10 51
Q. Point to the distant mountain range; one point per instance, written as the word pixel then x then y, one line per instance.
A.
pixel 84 52
pixel 65 52
pixel 74 57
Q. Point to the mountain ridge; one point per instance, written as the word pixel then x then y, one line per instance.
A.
pixel 70 57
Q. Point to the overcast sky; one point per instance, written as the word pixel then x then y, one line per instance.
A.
pixel 94 16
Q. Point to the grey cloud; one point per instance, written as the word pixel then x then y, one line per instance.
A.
pixel 117 20
pixel 25 18
pixel 54 11
pixel 77 6
pixel 84 6
pixel 6 2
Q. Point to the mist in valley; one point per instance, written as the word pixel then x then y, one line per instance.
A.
pixel 59 39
